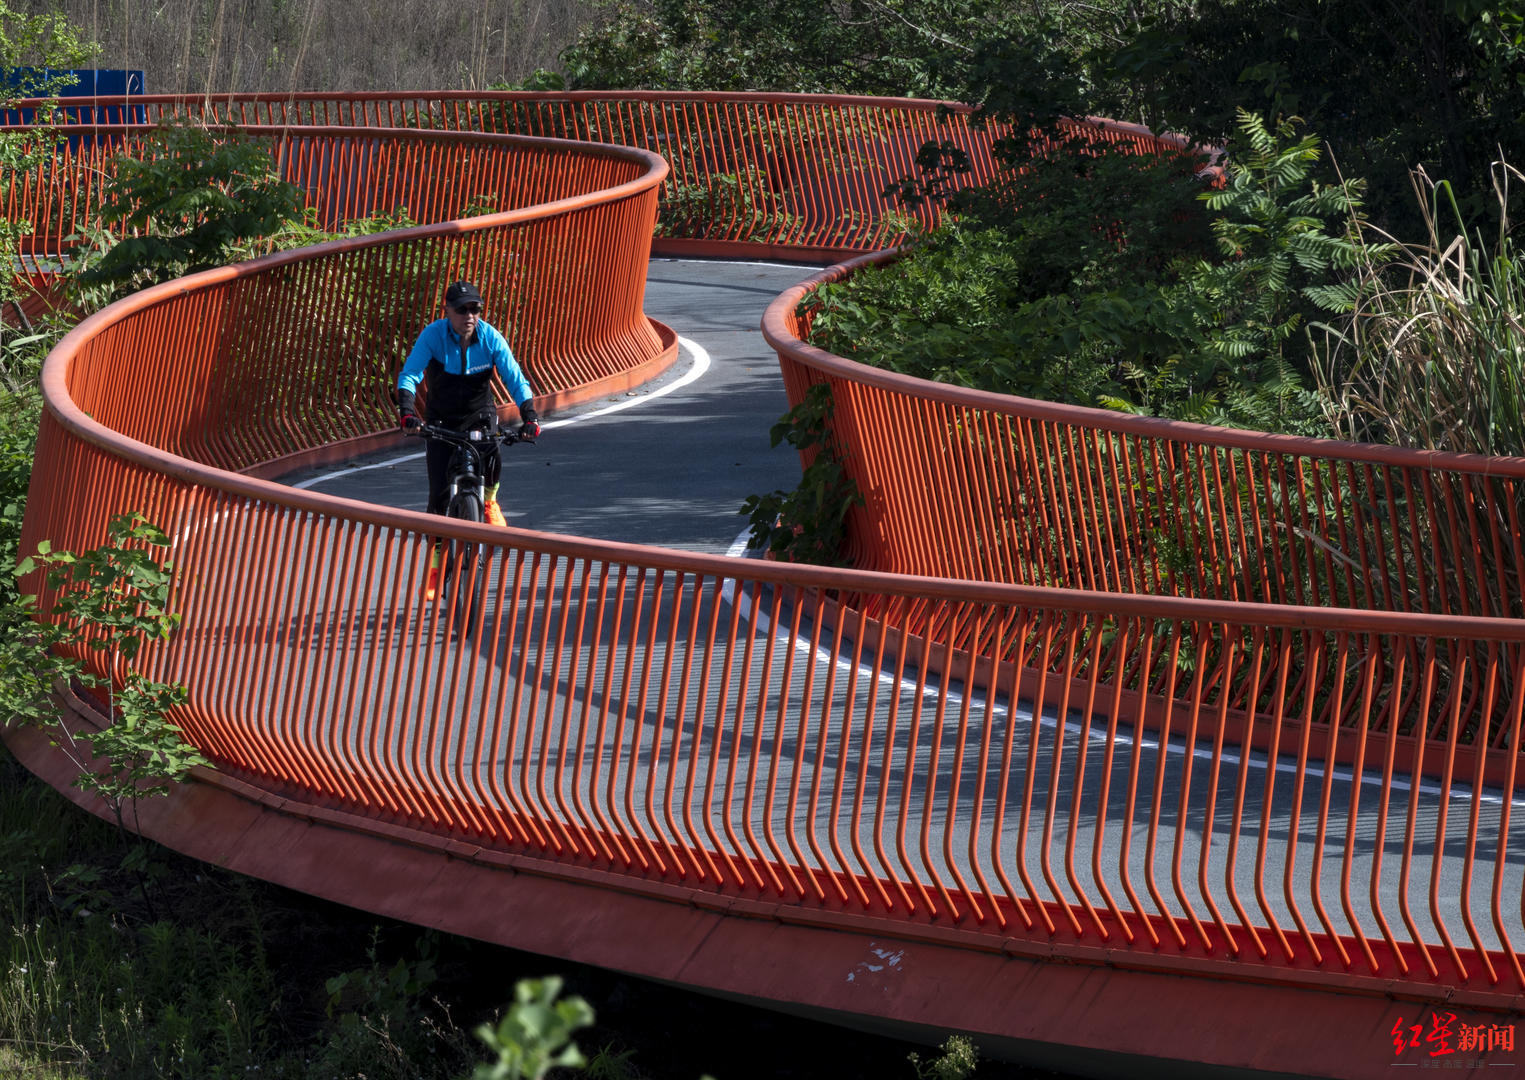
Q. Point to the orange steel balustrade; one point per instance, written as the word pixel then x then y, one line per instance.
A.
pixel 961 483
pixel 663 718
pixel 1005 767
pixel 319 339
pixel 783 174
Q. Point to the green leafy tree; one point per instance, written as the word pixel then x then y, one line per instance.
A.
pixel 919 48
pixel 21 356
pixel 32 47
pixel 1133 289
pixel 1391 84
pixel 113 600
pixel 1285 240
pixel 1289 248
pixel 191 200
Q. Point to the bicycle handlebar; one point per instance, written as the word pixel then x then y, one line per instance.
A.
pixel 464 438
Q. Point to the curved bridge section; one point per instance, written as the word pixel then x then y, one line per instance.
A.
pixel 939 792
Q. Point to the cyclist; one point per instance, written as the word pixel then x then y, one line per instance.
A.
pixel 454 358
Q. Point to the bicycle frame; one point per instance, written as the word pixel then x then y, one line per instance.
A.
pixel 467 564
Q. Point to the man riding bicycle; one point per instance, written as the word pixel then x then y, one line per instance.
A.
pixel 454 358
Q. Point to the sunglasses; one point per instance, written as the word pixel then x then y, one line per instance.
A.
pixel 469 309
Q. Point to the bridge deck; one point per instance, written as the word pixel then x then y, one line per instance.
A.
pixel 991 806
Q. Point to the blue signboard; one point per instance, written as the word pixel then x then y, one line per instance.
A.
pixel 88 82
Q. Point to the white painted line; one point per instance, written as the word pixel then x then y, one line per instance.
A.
pixel 316 480
pixel 737 550
pixel 700 366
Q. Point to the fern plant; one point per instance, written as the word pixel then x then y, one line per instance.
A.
pixel 1285 239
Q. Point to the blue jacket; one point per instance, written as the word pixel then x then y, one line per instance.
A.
pixel 458 378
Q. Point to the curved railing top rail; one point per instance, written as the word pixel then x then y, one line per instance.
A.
pixel 778 328
pixel 731 96
pixel 580 237
pixel 82 111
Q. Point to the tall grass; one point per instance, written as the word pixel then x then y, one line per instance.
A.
pixel 1433 354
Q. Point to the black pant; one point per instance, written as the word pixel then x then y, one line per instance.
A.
pixel 437 457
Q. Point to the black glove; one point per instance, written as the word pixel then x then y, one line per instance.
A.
pixel 529 422
pixel 409 421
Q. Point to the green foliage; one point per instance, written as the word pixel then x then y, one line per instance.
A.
pixel 958 1060
pixel 1391 86
pixel 304 231
pixel 1433 83
pixel 111 599
pixel 1093 277
pixel 225 978
pixel 1092 215
pixel 611 1064
pixel 740 204
pixel 91 979
pixel 808 524
pixel 21 357
pixel 118 594
pixel 1285 238
pixel 535 1034
pixel 29 45
pixel 919 48
pixel 1288 247
pixel 384 1020
pixel 539 79
pixel 189 202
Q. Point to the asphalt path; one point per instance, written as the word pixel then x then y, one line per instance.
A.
pixel 669 464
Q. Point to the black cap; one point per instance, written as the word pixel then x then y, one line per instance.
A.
pixel 462 292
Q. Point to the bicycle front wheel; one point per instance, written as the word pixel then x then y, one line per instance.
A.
pixel 469 563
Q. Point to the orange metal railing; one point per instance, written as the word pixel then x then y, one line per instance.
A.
pixel 798 174
pixel 960 483
pixel 1111 770
pixel 559 243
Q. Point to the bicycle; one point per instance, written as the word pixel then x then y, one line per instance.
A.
pixel 463 576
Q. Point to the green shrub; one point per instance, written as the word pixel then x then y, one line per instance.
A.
pixel 191 201
pixel 534 1035
pixel 1090 279
pixel 111 600
pixel 957 1061
pixel 808 524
